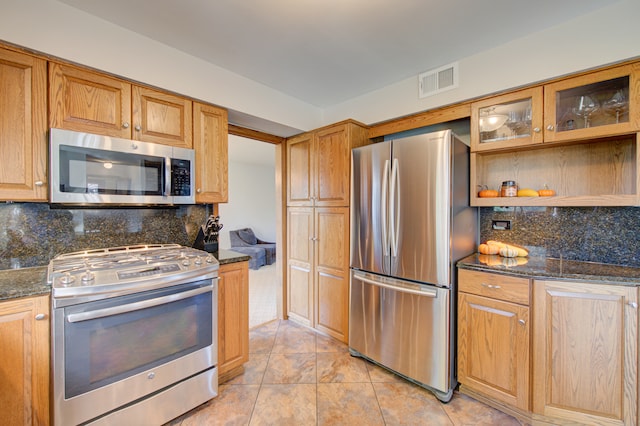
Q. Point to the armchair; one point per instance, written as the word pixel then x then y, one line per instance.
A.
pixel 245 241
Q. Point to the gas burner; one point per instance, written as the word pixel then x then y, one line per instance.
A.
pixel 127 268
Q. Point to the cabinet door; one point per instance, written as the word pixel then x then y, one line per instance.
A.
pixel 332 166
pixel 24 350
pixel 331 247
pixel 585 363
pixel 162 118
pixel 299 170
pixel 233 316
pixel 86 101
pixel 210 141
pixel 507 121
pixel 493 348
pixel 598 104
pixel 300 234
pixel 23 127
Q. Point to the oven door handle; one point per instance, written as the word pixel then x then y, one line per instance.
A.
pixel 101 313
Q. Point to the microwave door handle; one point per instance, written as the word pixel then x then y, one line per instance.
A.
pixel 167 177
pixel 106 312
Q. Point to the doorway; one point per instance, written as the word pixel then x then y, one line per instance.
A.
pixel 252 204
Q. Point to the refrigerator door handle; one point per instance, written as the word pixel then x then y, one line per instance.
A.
pixel 384 209
pixel 426 293
pixel 395 208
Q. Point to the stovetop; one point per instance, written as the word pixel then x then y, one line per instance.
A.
pixel 127 268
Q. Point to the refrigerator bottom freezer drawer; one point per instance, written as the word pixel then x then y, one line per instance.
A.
pixel 405 328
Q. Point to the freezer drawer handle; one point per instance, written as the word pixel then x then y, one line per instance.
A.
pixel 101 313
pixel 427 293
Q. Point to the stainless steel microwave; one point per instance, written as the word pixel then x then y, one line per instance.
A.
pixel 88 169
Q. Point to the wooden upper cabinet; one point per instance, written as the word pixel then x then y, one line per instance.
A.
pixel 162 118
pixel 23 127
pixel 319 165
pixel 300 170
pixel 595 105
pixel 210 141
pixel 506 121
pixel 87 101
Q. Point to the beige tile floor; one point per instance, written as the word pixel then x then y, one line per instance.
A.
pixel 297 377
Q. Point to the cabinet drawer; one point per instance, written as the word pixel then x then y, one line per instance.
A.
pixel 496 286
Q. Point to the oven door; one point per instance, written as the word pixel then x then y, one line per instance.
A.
pixel 114 351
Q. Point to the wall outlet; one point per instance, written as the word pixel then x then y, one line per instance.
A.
pixel 501 225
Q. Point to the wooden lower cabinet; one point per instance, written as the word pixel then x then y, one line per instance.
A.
pixel 233 319
pixel 318 268
pixel 24 361
pixel 586 353
pixel 493 336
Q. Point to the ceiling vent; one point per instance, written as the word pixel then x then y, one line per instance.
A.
pixel 438 80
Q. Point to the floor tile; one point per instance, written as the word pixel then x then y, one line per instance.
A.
pixel 261 340
pixel 253 370
pixel 403 403
pixel 294 340
pixel 329 344
pixel 284 405
pixel 348 404
pixel 341 367
pixel 291 368
pixel 378 374
pixel 463 410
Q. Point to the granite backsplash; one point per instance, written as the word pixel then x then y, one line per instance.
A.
pixel 33 233
pixel 591 234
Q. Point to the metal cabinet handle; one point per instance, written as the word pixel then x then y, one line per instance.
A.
pixel 634 305
pixel 125 125
pixel 536 129
pixel 40 317
pixel 550 127
pixel 522 322
pixel 490 286
pixel 198 190
pixel 138 128
pixel 38 183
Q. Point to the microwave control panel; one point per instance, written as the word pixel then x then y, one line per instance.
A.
pixel 180 177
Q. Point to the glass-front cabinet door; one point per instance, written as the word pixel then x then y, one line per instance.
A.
pixel 507 121
pixel 599 104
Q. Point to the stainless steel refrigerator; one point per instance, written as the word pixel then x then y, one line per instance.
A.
pixel 410 223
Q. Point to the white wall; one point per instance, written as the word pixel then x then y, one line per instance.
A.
pixel 608 35
pixel 252 201
pixel 60 30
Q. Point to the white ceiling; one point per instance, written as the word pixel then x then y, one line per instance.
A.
pixel 324 52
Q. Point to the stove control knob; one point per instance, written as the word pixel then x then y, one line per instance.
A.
pixel 185 262
pixel 209 259
pixel 67 279
pixel 198 260
pixel 88 277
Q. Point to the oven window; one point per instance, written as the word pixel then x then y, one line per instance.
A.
pixel 96 171
pixel 104 350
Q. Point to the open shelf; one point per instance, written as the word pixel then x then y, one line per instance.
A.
pixel 594 173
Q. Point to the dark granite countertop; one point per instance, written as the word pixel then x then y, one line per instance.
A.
pixel 15 283
pixel 230 256
pixel 558 269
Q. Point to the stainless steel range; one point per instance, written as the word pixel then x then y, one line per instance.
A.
pixel 134 334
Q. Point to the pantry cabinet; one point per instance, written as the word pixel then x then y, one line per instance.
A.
pixel 494 336
pixel 24 351
pixel 92 102
pixel 23 127
pixel 586 352
pixel 233 319
pixel 581 141
pixel 318 170
pixel 318 268
pixel 318 165
pixel 210 141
